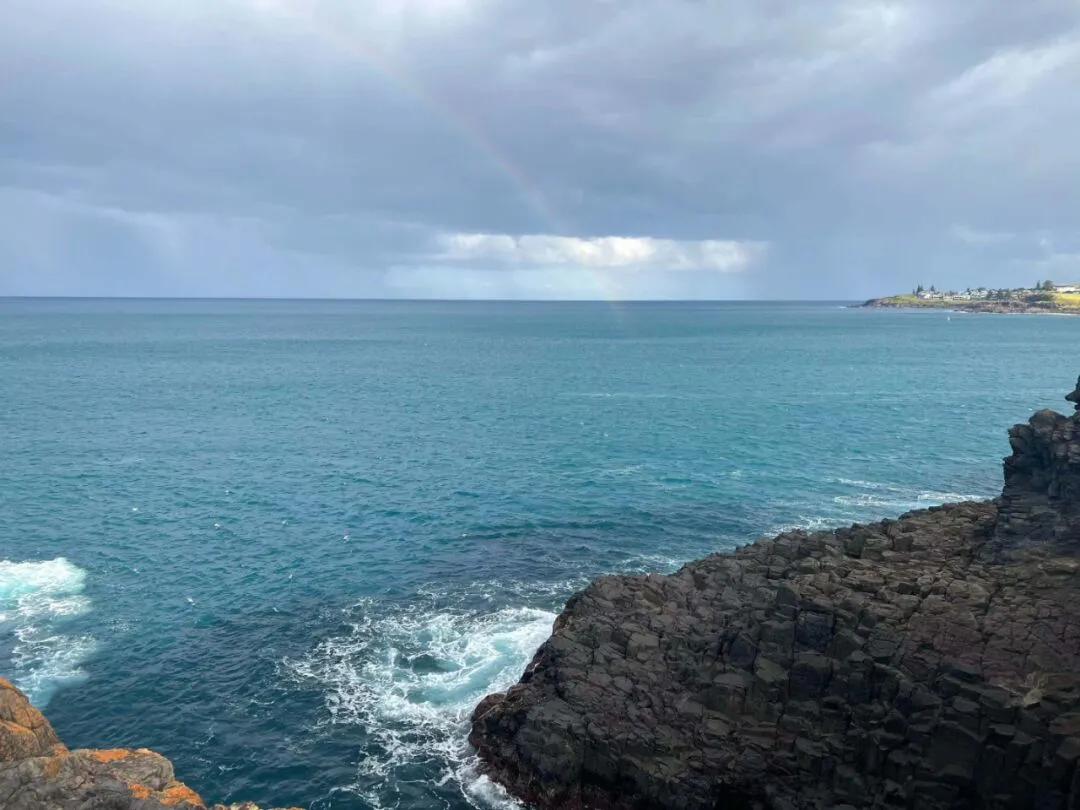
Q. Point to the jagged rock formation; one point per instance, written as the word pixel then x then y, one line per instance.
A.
pixel 38 772
pixel 1074 395
pixel 927 662
pixel 1040 504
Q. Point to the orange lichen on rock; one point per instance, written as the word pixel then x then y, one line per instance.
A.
pixel 111 754
pixel 51 768
pixel 14 728
pixel 24 732
pixel 48 775
pixel 177 793
pixel 16 709
pixel 139 791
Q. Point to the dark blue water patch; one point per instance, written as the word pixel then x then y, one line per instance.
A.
pixel 291 544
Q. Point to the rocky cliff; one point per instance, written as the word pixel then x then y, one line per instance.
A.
pixel 927 662
pixel 1040 504
pixel 38 772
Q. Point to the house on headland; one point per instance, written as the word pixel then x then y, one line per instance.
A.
pixel 939 295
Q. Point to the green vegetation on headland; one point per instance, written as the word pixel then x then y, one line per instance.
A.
pixel 1044 297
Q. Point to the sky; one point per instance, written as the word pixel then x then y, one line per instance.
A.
pixel 582 149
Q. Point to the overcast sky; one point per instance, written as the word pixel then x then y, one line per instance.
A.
pixel 537 148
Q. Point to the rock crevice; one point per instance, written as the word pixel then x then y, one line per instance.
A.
pixel 927 662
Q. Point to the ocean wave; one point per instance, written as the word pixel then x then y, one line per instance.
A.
pixel 653 564
pixel 908 494
pixel 872 501
pixel 863 500
pixel 410 678
pixel 948 497
pixel 815 523
pixel 36 598
pixel 516 591
pixel 622 395
pixel 902 500
pixel 856 482
pixel 629 469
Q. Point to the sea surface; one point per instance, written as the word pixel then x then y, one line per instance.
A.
pixel 291 544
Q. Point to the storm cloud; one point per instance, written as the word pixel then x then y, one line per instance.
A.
pixel 561 149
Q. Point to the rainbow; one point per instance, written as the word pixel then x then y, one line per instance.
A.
pixel 297 12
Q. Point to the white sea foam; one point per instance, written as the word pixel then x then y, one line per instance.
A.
pixel 948 497
pixel 36 598
pixel 855 482
pixel 806 523
pixel 899 499
pixel 900 495
pixel 872 500
pixel 629 469
pixel 654 564
pixel 411 678
pixel 863 500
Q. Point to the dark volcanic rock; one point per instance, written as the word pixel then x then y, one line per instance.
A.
pixel 927 662
pixel 1074 395
pixel 38 772
pixel 1040 504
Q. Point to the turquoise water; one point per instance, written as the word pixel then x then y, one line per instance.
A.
pixel 291 544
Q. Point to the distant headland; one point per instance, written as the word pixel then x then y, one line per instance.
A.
pixel 1044 297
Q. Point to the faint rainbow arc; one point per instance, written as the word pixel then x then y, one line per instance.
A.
pixel 468 132
pixel 464 128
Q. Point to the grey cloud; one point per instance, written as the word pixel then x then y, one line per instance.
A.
pixel 320 147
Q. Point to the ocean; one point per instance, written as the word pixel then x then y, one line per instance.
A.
pixel 290 544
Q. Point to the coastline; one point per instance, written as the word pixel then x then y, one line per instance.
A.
pixel 980 307
pixel 926 662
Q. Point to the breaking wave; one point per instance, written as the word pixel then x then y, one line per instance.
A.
pixel 409 679
pixel 866 501
pixel 36 600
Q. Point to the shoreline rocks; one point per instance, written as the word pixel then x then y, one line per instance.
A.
pixel 927 662
pixel 38 772
pixel 993 307
pixel 1040 503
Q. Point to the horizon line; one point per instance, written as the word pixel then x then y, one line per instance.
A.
pixel 433 300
